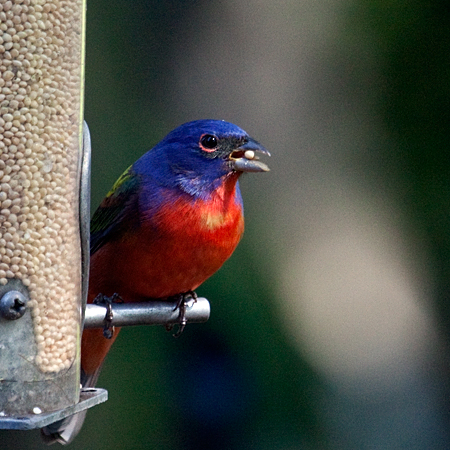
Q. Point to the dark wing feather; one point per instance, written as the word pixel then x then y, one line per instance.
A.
pixel 118 212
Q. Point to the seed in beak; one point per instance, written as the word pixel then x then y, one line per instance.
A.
pixel 249 154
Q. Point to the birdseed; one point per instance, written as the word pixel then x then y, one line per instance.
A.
pixel 40 122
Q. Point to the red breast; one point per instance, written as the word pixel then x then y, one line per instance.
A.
pixel 172 252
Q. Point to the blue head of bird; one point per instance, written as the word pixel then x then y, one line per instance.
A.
pixel 197 156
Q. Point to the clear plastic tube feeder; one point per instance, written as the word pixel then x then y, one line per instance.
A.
pixel 41 109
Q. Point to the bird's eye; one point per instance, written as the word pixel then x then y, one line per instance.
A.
pixel 209 142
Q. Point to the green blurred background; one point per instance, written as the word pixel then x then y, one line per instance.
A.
pixel 329 325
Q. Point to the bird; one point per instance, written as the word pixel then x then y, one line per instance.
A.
pixel 168 224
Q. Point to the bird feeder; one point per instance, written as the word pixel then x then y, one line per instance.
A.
pixel 41 161
pixel 44 218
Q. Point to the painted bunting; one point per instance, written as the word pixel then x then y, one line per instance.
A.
pixel 169 222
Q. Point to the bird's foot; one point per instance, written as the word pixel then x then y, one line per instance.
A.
pixel 182 301
pixel 108 329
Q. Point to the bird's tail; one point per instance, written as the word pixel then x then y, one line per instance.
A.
pixel 65 430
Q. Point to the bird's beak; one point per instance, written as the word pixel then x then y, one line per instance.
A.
pixel 244 159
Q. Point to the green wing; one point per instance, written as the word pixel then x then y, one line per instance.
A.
pixel 118 211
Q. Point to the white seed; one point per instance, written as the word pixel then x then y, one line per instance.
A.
pixel 249 154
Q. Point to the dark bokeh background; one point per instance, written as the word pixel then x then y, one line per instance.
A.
pixel 329 325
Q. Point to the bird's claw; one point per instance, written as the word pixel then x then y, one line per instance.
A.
pixel 182 301
pixel 108 328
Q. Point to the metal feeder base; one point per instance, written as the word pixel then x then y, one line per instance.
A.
pixel 88 397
